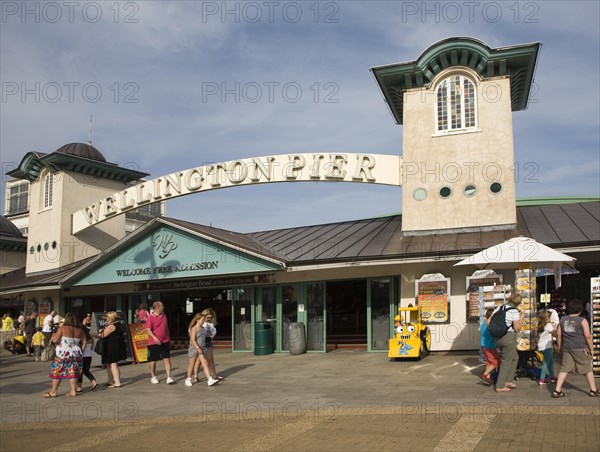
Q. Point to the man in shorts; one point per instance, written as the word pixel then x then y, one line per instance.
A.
pixel 575 343
pixel 159 341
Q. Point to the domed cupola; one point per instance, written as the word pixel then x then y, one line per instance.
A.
pixel 75 157
pixel 61 183
pixel 86 151
pixel 8 228
pixel 11 240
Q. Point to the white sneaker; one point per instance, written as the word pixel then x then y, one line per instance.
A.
pixel 154 380
pixel 170 381
pixel 212 381
pixel 188 382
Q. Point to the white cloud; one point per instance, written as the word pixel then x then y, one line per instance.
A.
pixel 170 51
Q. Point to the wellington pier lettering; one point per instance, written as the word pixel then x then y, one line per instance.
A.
pixel 360 168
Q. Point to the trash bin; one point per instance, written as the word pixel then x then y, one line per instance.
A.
pixel 297 338
pixel 263 338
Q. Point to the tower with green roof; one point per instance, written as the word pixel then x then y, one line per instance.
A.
pixel 455 102
pixel 69 178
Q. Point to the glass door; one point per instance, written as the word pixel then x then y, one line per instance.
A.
pixel 315 315
pixel 380 307
pixel 289 312
pixel 266 310
pixel 241 305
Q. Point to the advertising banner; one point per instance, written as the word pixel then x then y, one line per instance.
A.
pixel 139 341
pixel 433 297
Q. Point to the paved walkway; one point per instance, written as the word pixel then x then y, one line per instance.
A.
pixel 343 400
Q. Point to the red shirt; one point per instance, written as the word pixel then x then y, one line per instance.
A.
pixel 158 325
pixel 143 315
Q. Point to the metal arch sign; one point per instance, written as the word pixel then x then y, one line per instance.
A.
pixel 359 168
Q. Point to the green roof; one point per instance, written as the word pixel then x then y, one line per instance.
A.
pixel 541 201
pixel 551 200
pixel 33 162
pixel 518 62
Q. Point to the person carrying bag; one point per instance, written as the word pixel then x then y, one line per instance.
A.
pixel 113 349
pixel 513 322
pixel 49 353
pixel 100 346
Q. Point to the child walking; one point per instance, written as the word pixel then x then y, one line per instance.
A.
pixel 546 332
pixel 488 347
pixel 87 362
pixel 37 340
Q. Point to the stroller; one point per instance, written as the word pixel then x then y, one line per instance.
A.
pixel 530 365
pixel 16 346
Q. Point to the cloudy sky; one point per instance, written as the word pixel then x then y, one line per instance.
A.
pixel 173 85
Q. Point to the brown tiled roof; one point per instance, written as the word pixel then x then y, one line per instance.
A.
pixel 561 224
pixel 558 226
pixel 17 278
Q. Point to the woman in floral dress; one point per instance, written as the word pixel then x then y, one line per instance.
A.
pixel 68 363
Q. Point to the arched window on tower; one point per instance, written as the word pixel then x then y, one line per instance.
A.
pixel 455 104
pixel 48 186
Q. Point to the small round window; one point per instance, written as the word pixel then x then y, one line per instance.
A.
pixel 31 249
pixel 496 187
pixel 46 246
pixel 470 190
pixel 54 244
pixel 420 194
pixel 38 248
pixel 445 192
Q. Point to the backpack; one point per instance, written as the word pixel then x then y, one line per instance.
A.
pixel 49 353
pixel 497 327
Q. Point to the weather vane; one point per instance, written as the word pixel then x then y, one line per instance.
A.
pixel 90 138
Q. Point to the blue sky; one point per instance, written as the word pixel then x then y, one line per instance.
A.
pixel 144 71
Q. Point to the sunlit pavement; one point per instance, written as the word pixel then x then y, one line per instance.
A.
pixel 343 400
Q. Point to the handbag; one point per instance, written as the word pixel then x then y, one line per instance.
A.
pixel 100 346
pixel 49 352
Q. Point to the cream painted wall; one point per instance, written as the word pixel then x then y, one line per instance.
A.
pixel 454 160
pixel 71 192
pixel 458 334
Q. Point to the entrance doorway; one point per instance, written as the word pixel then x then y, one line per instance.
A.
pixel 179 320
pixel 346 312
pixel 279 315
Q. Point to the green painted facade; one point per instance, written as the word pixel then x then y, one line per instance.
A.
pixel 168 253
